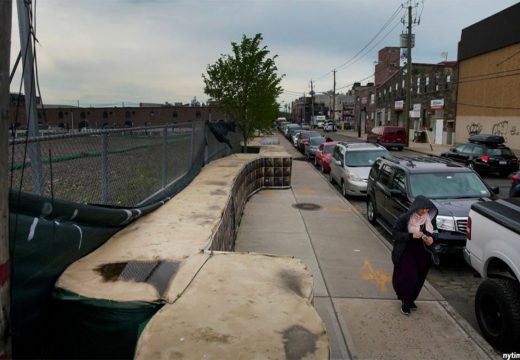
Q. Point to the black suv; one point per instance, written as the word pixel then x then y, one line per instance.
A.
pixel 395 181
pixel 485 154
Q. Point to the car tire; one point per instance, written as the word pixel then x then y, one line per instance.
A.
pixel 371 211
pixel 400 148
pixel 322 168
pixel 498 313
pixel 331 179
pixel 315 161
pixel 504 174
pixel 343 189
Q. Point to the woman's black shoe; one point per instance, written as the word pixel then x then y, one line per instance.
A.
pixel 405 309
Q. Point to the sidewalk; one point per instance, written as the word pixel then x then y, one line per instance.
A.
pixel 352 272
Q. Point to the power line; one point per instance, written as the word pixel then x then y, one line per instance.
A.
pixel 385 25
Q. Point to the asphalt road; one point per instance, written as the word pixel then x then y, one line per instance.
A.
pixel 454 279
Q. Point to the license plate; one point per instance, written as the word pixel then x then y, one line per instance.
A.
pixel 502 162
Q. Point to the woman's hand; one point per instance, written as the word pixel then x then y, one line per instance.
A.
pixel 428 241
pixel 417 235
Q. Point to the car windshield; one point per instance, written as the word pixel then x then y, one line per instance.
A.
pixel 363 158
pixel 316 141
pixel 311 134
pixel 328 149
pixel 448 185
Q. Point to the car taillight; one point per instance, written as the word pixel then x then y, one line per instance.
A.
pixel 513 161
pixel 515 179
pixel 484 158
pixel 468 231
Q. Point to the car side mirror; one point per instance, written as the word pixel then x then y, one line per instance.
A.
pixel 495 190
pixel 339 163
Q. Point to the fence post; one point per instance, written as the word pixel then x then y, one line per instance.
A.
pixel 192 142
pixel 164 158
pixel 5 276
pixel 206 144
pixel 104 168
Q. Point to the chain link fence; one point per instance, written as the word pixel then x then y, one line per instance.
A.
pixel 116 167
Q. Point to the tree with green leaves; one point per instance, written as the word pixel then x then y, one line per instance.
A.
pixel 245 85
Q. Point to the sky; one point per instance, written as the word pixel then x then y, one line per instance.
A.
pixel 115 52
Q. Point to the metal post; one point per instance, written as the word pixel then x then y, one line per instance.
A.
pixel 30 94
pixel 407 106
pixel 192 142
pixel 104 168
pixel 164 158
pixel 5 283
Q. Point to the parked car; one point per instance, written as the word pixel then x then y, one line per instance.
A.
pixel 304 139
pixel 493 251
pixel 394 182
pixel 295 137
pixel 388 136
pixel 312 146
pixel 323 154
pixel 350 164
pixel 515 185
pixel 329 126
pixel 305 126
pixel 288 128
pixel 291 130
pixel 485 154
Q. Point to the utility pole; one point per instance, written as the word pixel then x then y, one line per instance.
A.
pixel 407 105
pixel 312 101
pixel 334 102
pixel 30 93
pixel 5 283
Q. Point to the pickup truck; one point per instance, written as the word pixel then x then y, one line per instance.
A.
pixel 493 250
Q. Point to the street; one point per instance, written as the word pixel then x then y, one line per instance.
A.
pixel 454 279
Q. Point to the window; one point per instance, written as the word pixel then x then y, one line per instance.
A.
pixel 448 82
pixel 418 85
pixel 396 87
pixel 372 98
pixel 385 174
pixel 399 181
pixel 436 82
pixel 426 83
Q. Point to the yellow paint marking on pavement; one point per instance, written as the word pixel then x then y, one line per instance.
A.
pixel 340 210
pixel 372 274
pixel 308 191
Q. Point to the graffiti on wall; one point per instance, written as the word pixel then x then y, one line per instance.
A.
pixel 500 129
pixel 474 128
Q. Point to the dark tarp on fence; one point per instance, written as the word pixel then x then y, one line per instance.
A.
pixel 46 236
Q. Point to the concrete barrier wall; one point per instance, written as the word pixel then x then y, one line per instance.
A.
pixel 178 242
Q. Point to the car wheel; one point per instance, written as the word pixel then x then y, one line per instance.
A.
pixel 504 174
pixel 498 312
pixel 344 188
pixel 315 162
pixel 322 168
pixel 331 179
pixel 371 211
pixel 400 148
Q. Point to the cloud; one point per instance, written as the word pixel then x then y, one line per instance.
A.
pixel 156 51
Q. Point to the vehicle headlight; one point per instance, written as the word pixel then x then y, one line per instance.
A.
pixel 446 223
pixel 354 177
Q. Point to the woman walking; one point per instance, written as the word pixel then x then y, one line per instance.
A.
pixel 414 234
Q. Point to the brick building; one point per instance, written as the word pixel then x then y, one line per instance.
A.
pixel 489 78
pixel 70 117
pixel 434 97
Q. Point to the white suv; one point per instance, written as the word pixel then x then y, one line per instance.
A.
pixel 350 164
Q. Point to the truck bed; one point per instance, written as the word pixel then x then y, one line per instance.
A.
pixel 505 212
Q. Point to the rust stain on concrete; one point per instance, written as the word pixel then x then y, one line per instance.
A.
pixel 379 277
